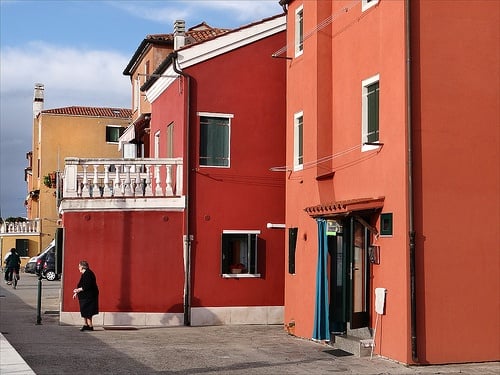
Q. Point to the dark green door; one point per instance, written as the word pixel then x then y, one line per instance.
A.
pixel 338 284
pixel 349 277
pixel 359 275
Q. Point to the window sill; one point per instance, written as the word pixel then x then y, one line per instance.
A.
pixel 370 146
pixel 240 275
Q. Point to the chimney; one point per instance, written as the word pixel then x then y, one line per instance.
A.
pixel 38 99
pixel 179 34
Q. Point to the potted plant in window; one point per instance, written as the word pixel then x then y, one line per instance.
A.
pixel 50 180
pixel 46 181
pixel 237 268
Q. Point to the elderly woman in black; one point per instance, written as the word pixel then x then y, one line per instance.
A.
pixel 88 295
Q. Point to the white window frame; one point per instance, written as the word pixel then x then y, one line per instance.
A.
pixel 157 145
pixel 137 91
pixel 298 135
pixel 113 126
pixel 170 140
pixel 364 112
pixel 247 274
pixel 299 31
pixel 227 116
pixel 367 4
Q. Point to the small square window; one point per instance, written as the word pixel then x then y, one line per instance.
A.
pixel 113 133
pixel 239 252
pixel 215 140
pixel 386 224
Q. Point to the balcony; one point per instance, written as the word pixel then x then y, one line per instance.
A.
pixel 97 184
pixel 21 227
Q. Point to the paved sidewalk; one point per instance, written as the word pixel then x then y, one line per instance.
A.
pixel 50 348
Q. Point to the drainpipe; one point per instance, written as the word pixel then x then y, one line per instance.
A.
pixel 411 227
pixel 188 238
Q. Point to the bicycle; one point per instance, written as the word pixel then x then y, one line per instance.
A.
pixel 15 278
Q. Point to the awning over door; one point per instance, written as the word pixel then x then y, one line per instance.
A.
pixel 127 136
pixel 345 207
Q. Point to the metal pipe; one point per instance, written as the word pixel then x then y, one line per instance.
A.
pixel 411 226
pixel 39 301
pixel 187 236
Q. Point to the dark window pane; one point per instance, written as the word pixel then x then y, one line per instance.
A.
pixel 214 141
pixel 113 133
pixel 373 112
pixel 239 251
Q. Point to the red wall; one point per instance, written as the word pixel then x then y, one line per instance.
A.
pixel 455 78
pixel 457 139
pixel 136 256
pixel 312 81
pixel 250 84
pixel 170 108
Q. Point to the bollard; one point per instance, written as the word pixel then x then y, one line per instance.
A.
pixel 39 302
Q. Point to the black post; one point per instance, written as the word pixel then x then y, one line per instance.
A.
pixel 39 302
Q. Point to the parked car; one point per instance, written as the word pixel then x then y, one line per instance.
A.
pixel 49 266
pixel 40 261
pixel 31 265
pixel 46 263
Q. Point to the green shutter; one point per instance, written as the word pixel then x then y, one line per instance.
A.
pixel 373 112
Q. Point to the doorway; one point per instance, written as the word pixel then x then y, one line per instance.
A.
pixel 349 275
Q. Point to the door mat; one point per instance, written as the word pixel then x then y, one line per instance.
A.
pixel 338 352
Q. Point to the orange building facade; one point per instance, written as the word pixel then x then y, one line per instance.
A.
pixel 392 202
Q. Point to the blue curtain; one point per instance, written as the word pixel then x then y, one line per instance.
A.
pixel 321 329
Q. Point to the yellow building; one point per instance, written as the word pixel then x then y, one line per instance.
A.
pixel 83 132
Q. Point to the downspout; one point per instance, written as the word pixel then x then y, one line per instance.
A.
pixel 187 236
pixel 411 226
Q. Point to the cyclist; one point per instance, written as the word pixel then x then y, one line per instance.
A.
pixel 12 264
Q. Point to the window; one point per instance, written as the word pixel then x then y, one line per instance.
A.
pixel 239 252
pixel 170 140
pixel 298 141
pixel 386 224
pixel 367 4
pixel 214 139
pixel 137 92
pixel 299 31
pixel 370 112
pixel 157 145
pixel 22 247
pixel 113 133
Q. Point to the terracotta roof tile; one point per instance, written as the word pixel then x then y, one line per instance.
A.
pixel 123 113
pixel 195 34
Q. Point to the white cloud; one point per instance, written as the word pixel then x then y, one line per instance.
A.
pixel 68 74
pixel 228 12
pixel 71 77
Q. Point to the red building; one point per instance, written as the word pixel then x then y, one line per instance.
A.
pixel 392 203
pixel 183 237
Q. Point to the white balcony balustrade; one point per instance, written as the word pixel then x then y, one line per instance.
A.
pixel 96 184
pixel 122 178
pixel 20 227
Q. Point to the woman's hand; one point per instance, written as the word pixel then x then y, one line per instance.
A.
pixel 76 291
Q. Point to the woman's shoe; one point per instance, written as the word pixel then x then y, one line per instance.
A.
pixel 89 328
pixel 84 328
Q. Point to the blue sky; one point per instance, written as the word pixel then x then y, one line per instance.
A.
pixel 78 50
